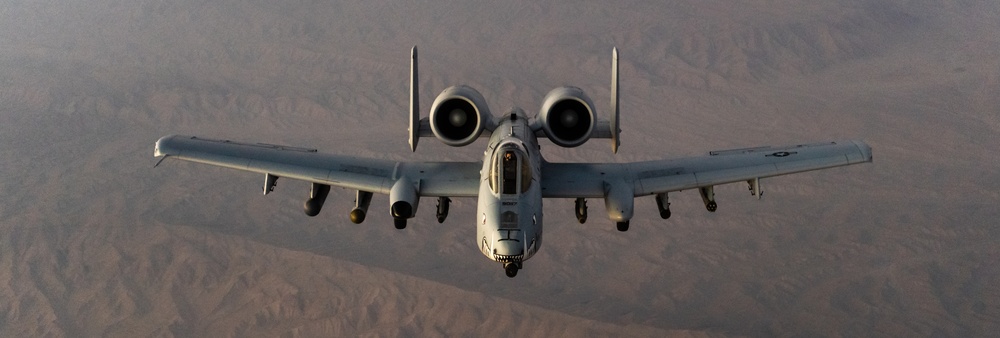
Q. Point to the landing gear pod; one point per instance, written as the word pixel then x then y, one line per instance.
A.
pixel 619 200
pixel 317 196
pixel 403 202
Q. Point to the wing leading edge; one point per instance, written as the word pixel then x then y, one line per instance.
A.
pixel 454 179
pixel 559 180
pixel 592 180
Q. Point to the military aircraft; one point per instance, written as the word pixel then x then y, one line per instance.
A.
pixel 512 179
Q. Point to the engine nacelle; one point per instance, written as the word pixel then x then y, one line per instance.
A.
pixel 567 116
pixel 459 115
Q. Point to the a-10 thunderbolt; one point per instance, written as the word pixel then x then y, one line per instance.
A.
pixel 512 179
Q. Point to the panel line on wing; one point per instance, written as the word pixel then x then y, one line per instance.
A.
pixel 258 145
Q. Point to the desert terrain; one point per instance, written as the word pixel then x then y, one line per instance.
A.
pixel 96 242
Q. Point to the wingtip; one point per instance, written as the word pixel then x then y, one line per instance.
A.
pixel 156 146
pixel 163 147
pixel 866 150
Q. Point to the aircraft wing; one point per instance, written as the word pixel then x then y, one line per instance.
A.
pixel 453 179
pixel 592 180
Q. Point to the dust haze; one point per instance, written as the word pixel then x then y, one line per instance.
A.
pixel 95 242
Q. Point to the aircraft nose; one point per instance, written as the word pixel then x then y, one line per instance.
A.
pixel 508 251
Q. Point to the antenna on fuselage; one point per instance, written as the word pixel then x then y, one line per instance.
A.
pixel 615 131
pixel 414 101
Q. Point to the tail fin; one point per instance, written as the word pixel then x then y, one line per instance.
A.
pixel 615 131
pixel 414 101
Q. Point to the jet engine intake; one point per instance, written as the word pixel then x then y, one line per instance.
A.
pixel 459 115
pixel 567 116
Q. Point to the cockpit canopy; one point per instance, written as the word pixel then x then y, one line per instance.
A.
pixel 510 170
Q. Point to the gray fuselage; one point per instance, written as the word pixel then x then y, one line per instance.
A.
pixel 509 214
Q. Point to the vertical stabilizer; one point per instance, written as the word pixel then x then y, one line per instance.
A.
pixel 615 131
pixel 414 101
